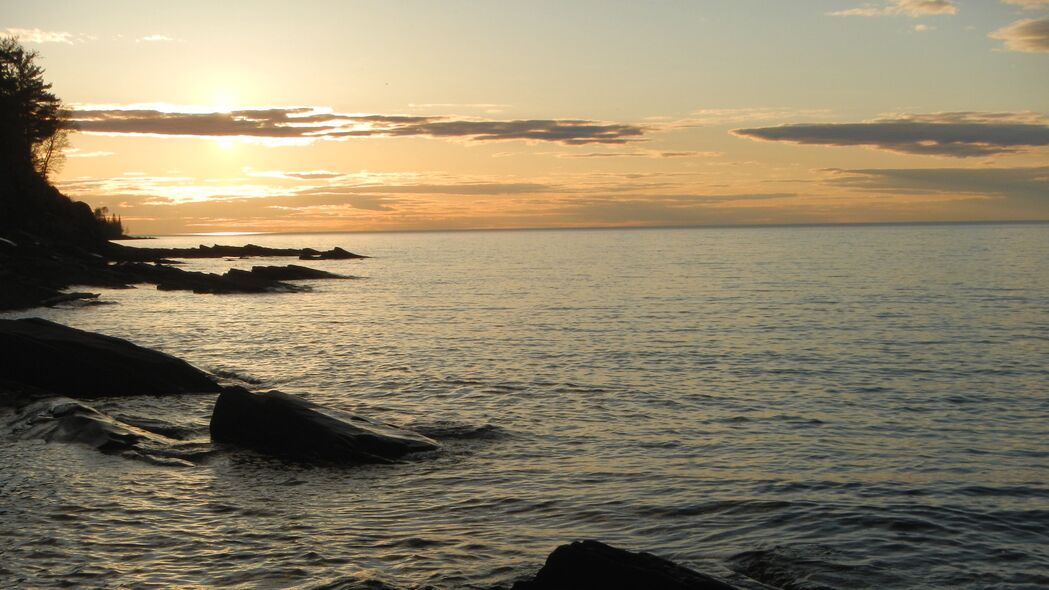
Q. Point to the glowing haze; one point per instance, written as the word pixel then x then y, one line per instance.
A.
pixel 306 116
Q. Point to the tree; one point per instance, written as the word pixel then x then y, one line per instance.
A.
pixel 112 225
pixel 49 155
pixel 33 124
pixel 33 128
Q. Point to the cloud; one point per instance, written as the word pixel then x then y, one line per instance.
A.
pixel 958 135
pixel 1028 183
pixel 643 154
pixel 155 39
pixel 79 153
pixel 1028 4
pixel 911 8
pixel 1029 35
pixel 310 123
pixel 920 28
pixel 39 36
pixel 318 175
pixel 464 188
pixel 487 107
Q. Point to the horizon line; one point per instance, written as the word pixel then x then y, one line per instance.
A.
pixel 603 228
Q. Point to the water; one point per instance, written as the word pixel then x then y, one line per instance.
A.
pixel 814 407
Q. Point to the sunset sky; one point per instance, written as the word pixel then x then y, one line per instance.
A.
pixel 308 116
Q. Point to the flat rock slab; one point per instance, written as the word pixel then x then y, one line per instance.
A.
pixel 292 272
pixel 81 364
pixel 592 565
pixel 278 423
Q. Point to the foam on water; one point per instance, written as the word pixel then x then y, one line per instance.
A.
pixel 825 407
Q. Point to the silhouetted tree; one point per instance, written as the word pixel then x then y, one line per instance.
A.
pixel 33 128
pixel 33 124
pixel 112 225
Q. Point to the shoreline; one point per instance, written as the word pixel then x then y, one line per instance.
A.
pixel 53 406
pixel 35 272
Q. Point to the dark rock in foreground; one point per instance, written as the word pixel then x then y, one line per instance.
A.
pixel 592 565
pixel 76 363
pixel 277 423
pixel 60 419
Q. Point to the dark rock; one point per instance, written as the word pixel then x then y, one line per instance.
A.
pixel 76 363
pixel 133 254
pixel 167 278
pixel 60 419
pixel 591 565
pixel 67 297
pixel 13 395
pixel 35 271
pixel 277 423
pixel 292 272
pixel 335 253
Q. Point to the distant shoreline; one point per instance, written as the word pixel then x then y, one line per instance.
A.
pixel 213 235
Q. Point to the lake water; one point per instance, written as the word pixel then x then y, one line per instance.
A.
pixel 812 407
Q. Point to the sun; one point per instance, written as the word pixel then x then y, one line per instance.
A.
pixel 224 100
pixel 225 143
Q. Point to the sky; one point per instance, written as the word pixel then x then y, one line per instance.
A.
pixel 199 117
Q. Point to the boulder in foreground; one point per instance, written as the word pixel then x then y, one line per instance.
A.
pixel 592 565
pixel 76 363
pixel 277 423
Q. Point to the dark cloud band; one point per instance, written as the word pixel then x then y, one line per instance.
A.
pixel 941 135
pixel 308 123
pixel 1030 183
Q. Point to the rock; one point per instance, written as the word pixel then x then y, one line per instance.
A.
pixel 592 565
pixel 167 278
pixel 277 423
pixel 79 364
pixel 335 253
pixel 35 272
pixel 292 272
pixel 67 297
pixel 129 253
pixel 60 419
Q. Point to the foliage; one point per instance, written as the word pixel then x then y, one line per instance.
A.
pixel 33 133
pixel 112 226
pixel 33 124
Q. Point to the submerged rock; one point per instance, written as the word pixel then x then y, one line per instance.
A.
pixel 592 565
pixel 60 419
pixel 275 422
pixel 76 363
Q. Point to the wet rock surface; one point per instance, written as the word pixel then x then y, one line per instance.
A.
pixel 278 423
pixel 64 420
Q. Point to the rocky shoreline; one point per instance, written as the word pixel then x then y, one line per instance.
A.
pixel 35 272
pixel 53 406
